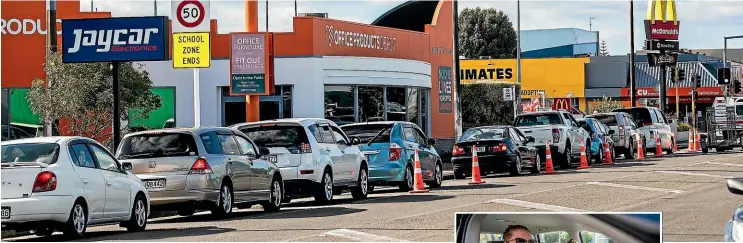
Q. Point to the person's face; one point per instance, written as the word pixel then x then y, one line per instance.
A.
pixel 520 236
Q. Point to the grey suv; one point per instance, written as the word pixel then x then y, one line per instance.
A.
pixel 625 131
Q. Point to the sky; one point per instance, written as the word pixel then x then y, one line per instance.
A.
pixel 704 23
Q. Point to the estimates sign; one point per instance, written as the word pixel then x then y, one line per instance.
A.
pixel 250 64
pixel 191 50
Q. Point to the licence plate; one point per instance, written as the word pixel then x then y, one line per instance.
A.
pixel 154 184
pixel 480 149
pixel 5 213
pixel 271 158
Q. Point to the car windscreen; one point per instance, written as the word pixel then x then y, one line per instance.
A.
pixel 609 120
pixel 640 115
pixel 157 145
pixel 476 134
pixel 538 120
pixel 30 152
pixel 367 132
pixel 272 136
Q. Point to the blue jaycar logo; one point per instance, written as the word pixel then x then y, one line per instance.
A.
pixel 120 40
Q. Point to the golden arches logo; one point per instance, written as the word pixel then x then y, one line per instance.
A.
pixel 562 104
pixel 663 10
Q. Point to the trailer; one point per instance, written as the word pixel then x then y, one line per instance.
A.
pixel 724 125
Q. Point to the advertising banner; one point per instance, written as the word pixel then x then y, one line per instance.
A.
pixel 250 64
pixel 115 39
pixel 445 90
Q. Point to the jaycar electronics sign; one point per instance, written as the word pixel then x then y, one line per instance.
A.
pixel 115 39
pixel 661 22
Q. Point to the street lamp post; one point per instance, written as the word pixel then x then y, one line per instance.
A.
pixel 590 23
pixel 632 53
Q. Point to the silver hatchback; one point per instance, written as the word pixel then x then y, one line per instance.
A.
pixel 186 169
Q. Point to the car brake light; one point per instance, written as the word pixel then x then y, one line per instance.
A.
pixel 457 150
pixel 200 167
pixel 499 148
pixel 305 148
pixel 395 151
pixel 555 135
pixel 647 123
pixel 45 181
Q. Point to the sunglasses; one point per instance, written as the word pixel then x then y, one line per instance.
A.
pixel 521 240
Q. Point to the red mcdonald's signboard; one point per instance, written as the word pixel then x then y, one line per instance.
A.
pixel 561 104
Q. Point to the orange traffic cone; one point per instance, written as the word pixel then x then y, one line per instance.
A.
pixel 607 155
pixel 476 180
pixel 549 168
pixel 583 159
pixel 640 148
pixel 658 147
pixel 697 139
pixel 675 146
pixel 692 144
pixel 418 186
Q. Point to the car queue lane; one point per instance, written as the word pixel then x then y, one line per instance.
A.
pixel 388 214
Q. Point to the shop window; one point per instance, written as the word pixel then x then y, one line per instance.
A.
pixel 424 110
pixel 412 106
pixel 339 104
pixel 371 103
pixel 396 105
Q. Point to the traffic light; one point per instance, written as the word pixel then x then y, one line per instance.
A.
pixel 737 88
pixel 723 76
pixel 682 74
pixel 698 79
pixel 673 74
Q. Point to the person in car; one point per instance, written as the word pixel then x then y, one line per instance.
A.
pixel 517 234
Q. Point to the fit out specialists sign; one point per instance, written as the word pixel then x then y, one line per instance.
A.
pixel 249 64
pixel 486 74
pixel 346 38
pixel 445 94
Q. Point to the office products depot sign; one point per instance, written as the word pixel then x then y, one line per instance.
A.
pixel 24 26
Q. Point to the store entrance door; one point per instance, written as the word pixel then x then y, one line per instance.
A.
pixel 271 107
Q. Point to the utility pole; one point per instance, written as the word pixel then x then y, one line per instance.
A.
pixel 457 82
pixel 725 61
pixel 517 101
pixel 632 93
pixel 295 8
pixel 590 24
pixel 51 41
pixel 266 15
pixel 676 79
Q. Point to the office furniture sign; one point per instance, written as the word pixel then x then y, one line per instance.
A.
pixel 250 64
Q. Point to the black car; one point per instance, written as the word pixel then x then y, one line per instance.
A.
pixel 499 149
pixel 600 134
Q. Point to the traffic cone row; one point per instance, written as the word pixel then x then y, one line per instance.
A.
pixel 640 148
pixel 583 159
pixel 607 154
pixel 476 180
pixel 549 168
pixel 418 186
pixel 658 148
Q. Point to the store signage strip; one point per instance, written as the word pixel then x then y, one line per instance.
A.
pixel 250 64
pixel 191 50
pixel 356 39
pixel 115 39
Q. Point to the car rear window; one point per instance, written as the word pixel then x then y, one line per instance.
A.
pixel 367 132
pixel 476 134
pixel 538 119
pixel 640 115
pixel 156 145
pixel 290 137
pixel 30 152
pixel 609 120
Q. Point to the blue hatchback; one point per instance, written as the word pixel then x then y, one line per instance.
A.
pixel 390 149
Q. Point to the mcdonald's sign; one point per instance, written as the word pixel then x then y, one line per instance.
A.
pixel 662 22
pixel 561 104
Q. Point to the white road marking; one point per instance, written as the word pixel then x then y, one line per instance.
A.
pixel 725 164
pixel 693 174
pixel 634 187
pixel 536 205
pixel 360 236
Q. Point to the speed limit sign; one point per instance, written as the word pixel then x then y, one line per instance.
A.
pixel 190 16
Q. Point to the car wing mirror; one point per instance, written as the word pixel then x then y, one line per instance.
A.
pixel 530 139
pixel 264 151
pixel 735 186
pixel 611 132
pixel 355 141
pixel 126 166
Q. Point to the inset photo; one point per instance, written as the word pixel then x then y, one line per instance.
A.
pixel 558 227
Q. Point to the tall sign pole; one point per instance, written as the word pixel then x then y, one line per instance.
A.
pixel 676 79
pixel 661 32
pixel 192 42
pixel 52 45
pixel 632 53
pixel 517 102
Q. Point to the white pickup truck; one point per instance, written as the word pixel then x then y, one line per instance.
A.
pixel 560 127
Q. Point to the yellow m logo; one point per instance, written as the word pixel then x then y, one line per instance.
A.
pixel 663 10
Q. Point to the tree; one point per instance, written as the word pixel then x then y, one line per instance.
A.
pixel 81 96
pixel 605 105
pixel 483 104
pixel 604 51
pixel 486 32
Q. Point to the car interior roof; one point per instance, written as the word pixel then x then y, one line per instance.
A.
pixel 543 223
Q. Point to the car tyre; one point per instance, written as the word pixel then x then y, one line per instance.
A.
pixel 670 150
pixel 567 156
pixel 438 176
pixel 138 221
pixel 537 165
pixel 361 190
pixel 407 183
pixel 324 190
pixel 44 232
pixel 225 201
pixel 630 151
pixel 459 175
pixel 77 223
pixel 516 167
pixel 276 197
pixel 705 150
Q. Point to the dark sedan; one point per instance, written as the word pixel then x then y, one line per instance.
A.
pixel 499 149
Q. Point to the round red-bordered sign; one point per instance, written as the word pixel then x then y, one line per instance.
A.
pixel 199 19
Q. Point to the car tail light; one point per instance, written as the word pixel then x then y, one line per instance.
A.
pixel 45 181
pixel 395 151
pixel 555 135
pixel 499 148
pixel 647 123
pixel 305 148
pixel 200 167
pixel 457 150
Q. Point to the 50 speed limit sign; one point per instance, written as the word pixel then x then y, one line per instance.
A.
pixel 190 16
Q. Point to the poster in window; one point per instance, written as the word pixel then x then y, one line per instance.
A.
pixel 445 94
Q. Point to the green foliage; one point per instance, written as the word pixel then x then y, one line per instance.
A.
pixel 555 237
pixel 486 32
pixel 604 51
pixel 605 105
pixel 81 94
pixel 482 104
pixel 684 127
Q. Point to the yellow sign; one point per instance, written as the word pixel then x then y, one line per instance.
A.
pixel 191 50
pixel 663 10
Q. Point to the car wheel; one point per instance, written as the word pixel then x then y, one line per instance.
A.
pixel 438 176
pixel 515 169
pixel 670 150
pixel 567 157
pixel 186 211
pixel 324 191
pixel 630 153
pixel 275 197
pixel 705 150
pixel 138 221
pixel 77 223
pixel 361 190
pixel 407 183
pixel 225 201
pixel 459 175
pixel 600 156
pixel 537 165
